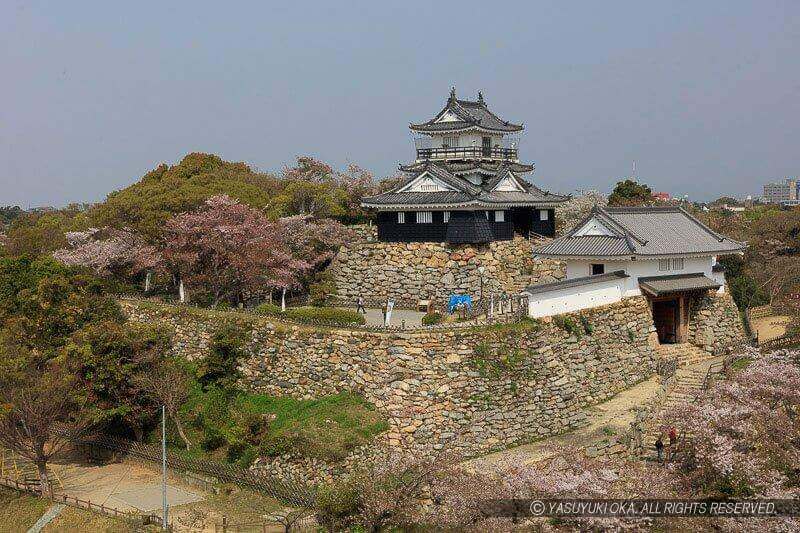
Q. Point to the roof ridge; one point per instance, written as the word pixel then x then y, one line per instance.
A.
pixel 626 231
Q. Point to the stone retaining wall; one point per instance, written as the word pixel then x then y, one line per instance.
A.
pixel 417 271
pixel 715 324
pixel 475 389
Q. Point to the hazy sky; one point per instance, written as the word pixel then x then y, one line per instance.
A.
pixel 703 95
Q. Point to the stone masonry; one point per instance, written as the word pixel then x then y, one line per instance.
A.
pixel 474 389
pixel 409 272
pixel 715 324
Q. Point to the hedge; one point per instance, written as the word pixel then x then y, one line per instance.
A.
pixel 312 315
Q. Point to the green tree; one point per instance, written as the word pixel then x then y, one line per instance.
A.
pixel 42 408
pixel 629 193
pixel 40 232
pixel 107 356
pixel 168 190
pixel 220 368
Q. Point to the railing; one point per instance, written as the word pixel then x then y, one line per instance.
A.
pixel 467 152
pixel 89 505
pixel 290 492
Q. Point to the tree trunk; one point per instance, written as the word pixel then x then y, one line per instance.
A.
pixel 179 426
pixel 41 467
pixel 44 479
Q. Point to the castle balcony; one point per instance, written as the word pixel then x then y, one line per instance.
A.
pixel 467 152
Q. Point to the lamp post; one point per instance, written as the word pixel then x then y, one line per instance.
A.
pixel 164 505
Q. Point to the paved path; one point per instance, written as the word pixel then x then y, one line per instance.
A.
pixel 374 317
pixel 614 415
pixel 47 517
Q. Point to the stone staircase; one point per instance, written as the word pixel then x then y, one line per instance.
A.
pixel 693 366
pixel 686 354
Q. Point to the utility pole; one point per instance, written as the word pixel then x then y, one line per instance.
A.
pixel 164 522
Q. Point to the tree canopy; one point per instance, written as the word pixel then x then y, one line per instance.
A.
pixel 630 192
pixel 168 190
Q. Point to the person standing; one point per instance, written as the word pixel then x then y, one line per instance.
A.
pixel 673 441
pixel 660 448
pixel 360 304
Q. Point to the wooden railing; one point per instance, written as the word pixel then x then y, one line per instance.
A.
pixel 467 152
pixel 89 505
pixel 287 491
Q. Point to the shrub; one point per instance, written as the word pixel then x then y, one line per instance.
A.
pixel 587 327
pixel 338 504
pixel 431 319
pixel 310 315
pixel 322 289
pixel 567 324
pixel 221 366
pixel 332 315
pixel 268 309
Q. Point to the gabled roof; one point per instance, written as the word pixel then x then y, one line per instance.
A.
pixel 643 232
pixel 466 193
pixel 469 115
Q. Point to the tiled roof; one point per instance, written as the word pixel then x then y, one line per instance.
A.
pixel 419 198
pixel 643 232
pixel 589 246
pixel 466 193
pixel 532 195
pixel 471 114
pixel 658 285
pixel 575 282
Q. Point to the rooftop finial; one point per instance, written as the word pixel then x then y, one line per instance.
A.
pixel 480 98
pixel 452 93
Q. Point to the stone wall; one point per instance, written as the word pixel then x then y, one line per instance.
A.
pixel 715 324
pixel 474 389
pixel 410 272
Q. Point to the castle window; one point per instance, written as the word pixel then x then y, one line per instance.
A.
pixel 598 268
pixel 499 216
pixel 401 217
pixel 450 141
pixel 677 263
pixel 424 217
pixel 446 216
pixel 543 214
pixel 663 265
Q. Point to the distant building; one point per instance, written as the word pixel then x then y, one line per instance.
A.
pixel 662 196
pixel 782 192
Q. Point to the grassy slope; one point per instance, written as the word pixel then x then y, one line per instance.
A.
pixel 19 511
pixel 239 427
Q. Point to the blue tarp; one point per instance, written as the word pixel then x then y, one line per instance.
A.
pixel 456 300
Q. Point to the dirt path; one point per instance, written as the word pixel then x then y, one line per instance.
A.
pixel 132 486
pixel 611 417
pixel 771 327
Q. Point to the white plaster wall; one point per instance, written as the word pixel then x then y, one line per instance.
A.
pixel 467 139
pixel 643 268
pixel 575 298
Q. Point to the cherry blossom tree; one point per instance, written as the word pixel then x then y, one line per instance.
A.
pixel 228 250
pixel 314 241
pixel 745 432
pixel 108 251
